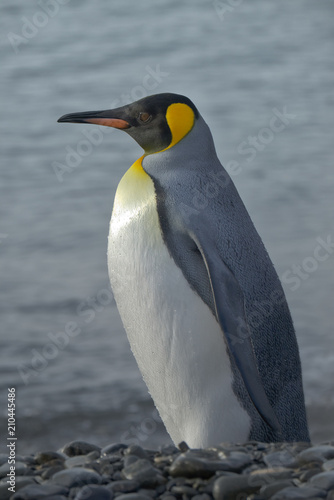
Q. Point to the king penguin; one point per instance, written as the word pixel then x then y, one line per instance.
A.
pixel 202 305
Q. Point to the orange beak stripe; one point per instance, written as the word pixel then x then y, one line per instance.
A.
pixel 109 122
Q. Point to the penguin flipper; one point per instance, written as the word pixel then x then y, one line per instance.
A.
pixel 230 313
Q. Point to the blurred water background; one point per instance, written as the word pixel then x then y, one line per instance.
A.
pixel 241 62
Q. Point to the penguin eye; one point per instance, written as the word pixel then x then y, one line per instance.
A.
pixel 145 117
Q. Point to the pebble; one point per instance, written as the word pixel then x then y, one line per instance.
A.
pixel 305 476
pixel 78 461
pixel 270 489
pixel 143 471
pixel 183 447
pixel 268 475
pixel 152 493
pixel 316 454
pixel 124 486
pixel 200 463
pixel 113 448
pixel 49 472
pixel 258 471
pixel 94 492
pixel 136 450
pixel 129 460
pixel 20 469
pixel 39 491
pixel 57 497
pixel 79 448
pixel 227 488
pixel 328 465
pixel 3 458
pixel 169 449
pixel 48 457
pixel 183 490
pixel 323 480
pixel 20 482
pixel 77 476
pixel 204 496
pixel 304 493
pixel 134 496
pixel 284 458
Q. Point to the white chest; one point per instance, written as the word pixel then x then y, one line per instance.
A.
pixel 177 342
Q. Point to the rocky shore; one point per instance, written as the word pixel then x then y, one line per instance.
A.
pixel 252 471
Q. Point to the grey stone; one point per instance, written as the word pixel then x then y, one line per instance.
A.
pixel 136 450
pixel 152 493
pixel 187 465
pixel 282 458
pixel 3 458
pixel 226 448
pixel 77 476
pixel 168 496
pixel 208 486
pixel 117 476
pixel 21 458
pixel 39 491
pixel 183 447
pixel 57 497
pixel 20 482
pixel 203 496
pixel 5 494
pixel 269 475
pixel 236 461
pixel 143 472
pixel 227 488
pixel 168 449
pixel 164 460
pixel 94 492
pixel 261 446
pixel 183 489
pixel 130 459
pixel 113 448
pixel 45 457
pixel 104 469
pixel 27 459
pixel 50 471
pixel 303 493
pixel 77 461
pixel 79 448
pixel 124 486
pixel 200 463
pixel 20 469
pixel 316 454
pixel 305 476
pixel 94 455
pixel 110 459
pixel 270 489
pixel 323 480
pixel 177 481
pixel 134 496
pixel 329 465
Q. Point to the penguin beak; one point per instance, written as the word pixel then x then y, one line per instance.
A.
pixel 106 118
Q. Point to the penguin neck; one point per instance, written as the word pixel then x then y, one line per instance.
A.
pixel 196 147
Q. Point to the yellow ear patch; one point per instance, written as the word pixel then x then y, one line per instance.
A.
pixel 180 118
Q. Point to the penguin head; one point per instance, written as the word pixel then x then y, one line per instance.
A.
pixel 156 122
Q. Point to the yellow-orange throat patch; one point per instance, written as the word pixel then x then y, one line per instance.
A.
pixel 180 118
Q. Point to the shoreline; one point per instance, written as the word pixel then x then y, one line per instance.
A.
pixel 48 432
pixel 252 471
